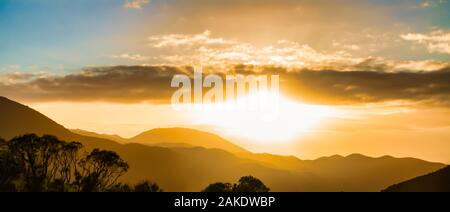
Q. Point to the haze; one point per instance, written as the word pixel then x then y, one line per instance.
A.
pixel 370 77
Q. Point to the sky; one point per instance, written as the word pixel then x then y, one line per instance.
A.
pixel 375 72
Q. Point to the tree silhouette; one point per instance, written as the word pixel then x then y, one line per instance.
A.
pixel 47 163
pixel 67 163
pixel 9 168
pixel 245 184
pixel 100 170
pixel 250 184
pixel 36 164
pixel 219 187
pixel 147 186
pixel 37 156
pixel 120 188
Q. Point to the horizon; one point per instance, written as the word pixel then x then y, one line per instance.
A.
pixel 367 77
pixel 129 140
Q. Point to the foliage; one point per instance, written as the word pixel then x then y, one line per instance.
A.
pixel 30 163
pixel 219 187
pixel 9 168
pixel 44 161
pixel 147 186
pixel 99 171
pixel 120 188
pixel 250 184
pixel 245 184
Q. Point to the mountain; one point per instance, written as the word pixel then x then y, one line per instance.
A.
pixel 438 181
pixel 357 172
pixel 185 136
pixel 115 138
pixel 175 169
pixel 191 168
pixel 17 119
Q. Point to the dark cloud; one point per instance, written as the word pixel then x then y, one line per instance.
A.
pixel 126 84
pixel 337 87
pixel 354 87
pixel 131 84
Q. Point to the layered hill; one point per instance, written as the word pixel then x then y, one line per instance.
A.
pixel 207 158
pixel 179 136
pixel 115 138
pixel 438 181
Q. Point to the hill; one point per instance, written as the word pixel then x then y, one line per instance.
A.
pixel 193 168
pixel 354 172
pixel 115 138
pixel 357 172
pixel 17 119
pixel 438 181
pixel 185 136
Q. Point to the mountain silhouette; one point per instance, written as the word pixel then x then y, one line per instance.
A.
pixel 115 138
pixel 438 181
pixel 18 119
pixel 357 171
pixel 192 167
pixel 185 136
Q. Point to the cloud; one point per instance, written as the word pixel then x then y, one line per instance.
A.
pixel 206 49
pixel 135 4
pixel 437 41
pixel 124 84
pixel 180 40
pixel 336 87
pixel 133 57
pixel 15 77
pixel 135 84
pixel 431 3
pixel 353 47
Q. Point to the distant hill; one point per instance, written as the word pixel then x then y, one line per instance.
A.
pixel 348 172
pixel 185 136
pixel 355 172
pixel 115 138
pixel 191 168
pixel 438 181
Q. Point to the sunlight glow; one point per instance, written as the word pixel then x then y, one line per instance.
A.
pixel 291 120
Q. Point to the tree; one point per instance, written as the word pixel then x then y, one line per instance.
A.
pixel 147 186
pixel 120 188
pixel 99 171
pixel 219 187
pixel 49 164
pixel 245 184
pixel 67 163
pixel 250 184
pixel 9 169
pixel 36 155
pixel 46 164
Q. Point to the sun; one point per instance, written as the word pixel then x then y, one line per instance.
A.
pixel 278 119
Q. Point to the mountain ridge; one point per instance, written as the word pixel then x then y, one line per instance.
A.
pixel 187 136
pixel 115 138
pixel 438 181
pixel 193 168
